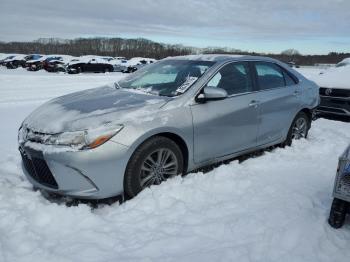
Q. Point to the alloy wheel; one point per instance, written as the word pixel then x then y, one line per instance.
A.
pixel 299 128
pixel 157 167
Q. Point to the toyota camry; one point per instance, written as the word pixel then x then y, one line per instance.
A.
pixel 166 119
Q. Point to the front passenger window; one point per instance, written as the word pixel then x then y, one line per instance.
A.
pixel 234 78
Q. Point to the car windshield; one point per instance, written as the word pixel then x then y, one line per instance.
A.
pixel 167 77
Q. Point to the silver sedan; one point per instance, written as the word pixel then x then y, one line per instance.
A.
pixel 166 119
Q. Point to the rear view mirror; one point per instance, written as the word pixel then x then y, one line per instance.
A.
pixel 211 93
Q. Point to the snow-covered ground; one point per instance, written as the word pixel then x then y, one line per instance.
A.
pixel 270 208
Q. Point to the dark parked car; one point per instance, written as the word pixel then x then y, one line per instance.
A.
pixel 334 101
pixel 35 63
pixel 14 61
pixel 335 91
pixel 54 64
pixel 94 65
pixel 3 61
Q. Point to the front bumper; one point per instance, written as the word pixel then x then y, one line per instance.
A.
pixel 88 174
pixel 334 101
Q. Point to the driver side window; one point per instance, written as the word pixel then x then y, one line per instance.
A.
pixel 234 78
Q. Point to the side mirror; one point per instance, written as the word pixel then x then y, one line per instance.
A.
pixel 211 93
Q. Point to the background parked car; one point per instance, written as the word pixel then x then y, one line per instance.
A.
pixel 344 62
pixel 335 90
pixel 56 63
pixel 15 61
pixel 35 63
pixel 4 58
pixel 120 64
pixel 136 63
pixel 95 65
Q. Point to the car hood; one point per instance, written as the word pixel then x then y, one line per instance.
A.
pixel 93 108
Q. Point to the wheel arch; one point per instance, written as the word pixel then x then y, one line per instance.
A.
pixel 179 140
pixel 308 112
pixel 170 135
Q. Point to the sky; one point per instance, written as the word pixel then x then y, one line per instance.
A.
pixel 310 26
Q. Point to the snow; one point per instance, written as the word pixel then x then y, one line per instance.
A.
pixel 15 57
pixel 205 57
pixel 137 60
pixel 88 59
pixel 268 208
pixel 115 61
pixel 345 61
pixel 336 77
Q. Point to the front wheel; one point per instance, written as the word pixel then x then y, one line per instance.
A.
pixel 299 128
pixel 156 160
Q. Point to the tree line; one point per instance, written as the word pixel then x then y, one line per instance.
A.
pixel 96 46
pixel 141 47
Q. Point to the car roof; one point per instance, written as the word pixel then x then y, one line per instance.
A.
pixel 222 58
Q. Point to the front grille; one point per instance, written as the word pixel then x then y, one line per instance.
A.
pixel 335 92
pixel 38 170
pixel 334 101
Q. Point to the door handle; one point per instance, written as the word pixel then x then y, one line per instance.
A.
pixel 296 92
pixel 254 103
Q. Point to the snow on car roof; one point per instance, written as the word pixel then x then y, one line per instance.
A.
pixel 3 56
pixel 64 58
pixel 136 60
pixel 219 57
pixel 345 61
pixel 18 57
pixel 334 77
pixel 87 59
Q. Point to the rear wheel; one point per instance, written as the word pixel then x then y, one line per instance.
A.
pixel 156 160
pixel 299 128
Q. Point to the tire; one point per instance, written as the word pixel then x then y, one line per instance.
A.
pixel 338 213
pixel 141 173
pixel 301 116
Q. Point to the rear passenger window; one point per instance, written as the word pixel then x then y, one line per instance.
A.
pixel 269 75
pixel 289 80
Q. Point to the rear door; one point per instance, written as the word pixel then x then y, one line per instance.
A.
pixel 226 126
pixel 279 101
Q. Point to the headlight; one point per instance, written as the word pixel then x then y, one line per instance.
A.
pixel 86 139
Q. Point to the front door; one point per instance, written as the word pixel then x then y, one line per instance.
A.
pixel 226 126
